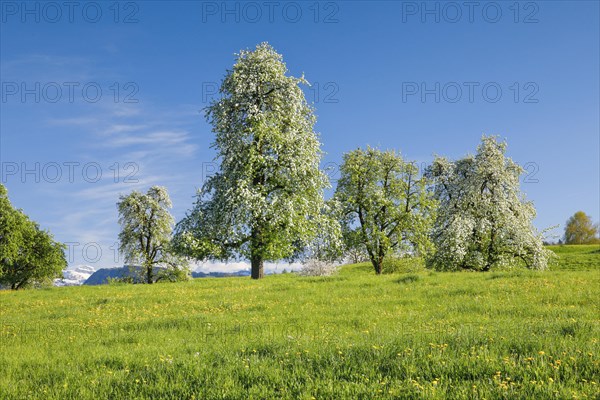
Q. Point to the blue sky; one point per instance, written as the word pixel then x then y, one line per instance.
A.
pixel 106 97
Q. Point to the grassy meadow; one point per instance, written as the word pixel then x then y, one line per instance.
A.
pixel 420 334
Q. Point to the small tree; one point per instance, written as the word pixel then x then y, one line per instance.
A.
pixel 314 267
pixel 483 220
pixel 385 204
pixel 145 238
pixel 266 201
pixel 581 230
pixel 28 255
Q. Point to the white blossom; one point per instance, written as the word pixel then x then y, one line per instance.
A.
pixel 483 221
pixel 266 201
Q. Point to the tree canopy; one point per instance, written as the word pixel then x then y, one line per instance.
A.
pixel 483 221
pixel 266 200
pixel 385 204
pixel 145 238
pixel 28 255
pixel 581 230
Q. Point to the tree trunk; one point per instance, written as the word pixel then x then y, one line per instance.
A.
pixel 149 274
pixel 18 285
pixel 256 256
pixel 257 267
pixel 491 256
pixel 379 266
pixel 377 259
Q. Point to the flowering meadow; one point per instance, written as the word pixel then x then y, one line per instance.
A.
pixel 422 334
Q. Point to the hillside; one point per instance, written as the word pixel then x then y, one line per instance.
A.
pixel 510 334
pixel 582 257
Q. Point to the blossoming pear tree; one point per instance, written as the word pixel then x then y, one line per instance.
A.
pixel 265 203
pixel 484 220
pixel 145 237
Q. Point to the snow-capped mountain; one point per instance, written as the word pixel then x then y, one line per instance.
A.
pixel 75 276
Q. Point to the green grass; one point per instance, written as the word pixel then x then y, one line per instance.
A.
pixel 581 257
pixel 509 334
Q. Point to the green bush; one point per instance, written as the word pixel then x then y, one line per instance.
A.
pixel 122 280
pixel 401 265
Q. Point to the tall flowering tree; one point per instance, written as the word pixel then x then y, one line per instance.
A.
pixel 266 201
pixel 484 220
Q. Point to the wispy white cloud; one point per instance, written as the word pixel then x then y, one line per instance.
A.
pixel 125 111
pixel 123 128
pixel 160 138
pixel 73 121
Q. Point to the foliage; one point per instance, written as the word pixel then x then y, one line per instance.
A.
pixel 581 230
pixel 175 273
pixel 10 234
pixel 29 256
pixel 145 238
pixel 395 265
pixel 315 267
pixel 266 201
pixel 354 249
pixel 353 336
pixel 327 245
pixel 121 280
pixel 385 204
pixel 484 221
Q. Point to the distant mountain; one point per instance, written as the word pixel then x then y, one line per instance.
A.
pixel 242 272
pixel 75 276
pixel 101 276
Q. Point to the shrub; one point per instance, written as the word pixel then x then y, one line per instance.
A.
pixel 399 265
pixel 121 280
pixel 173 274
pixel 314 267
